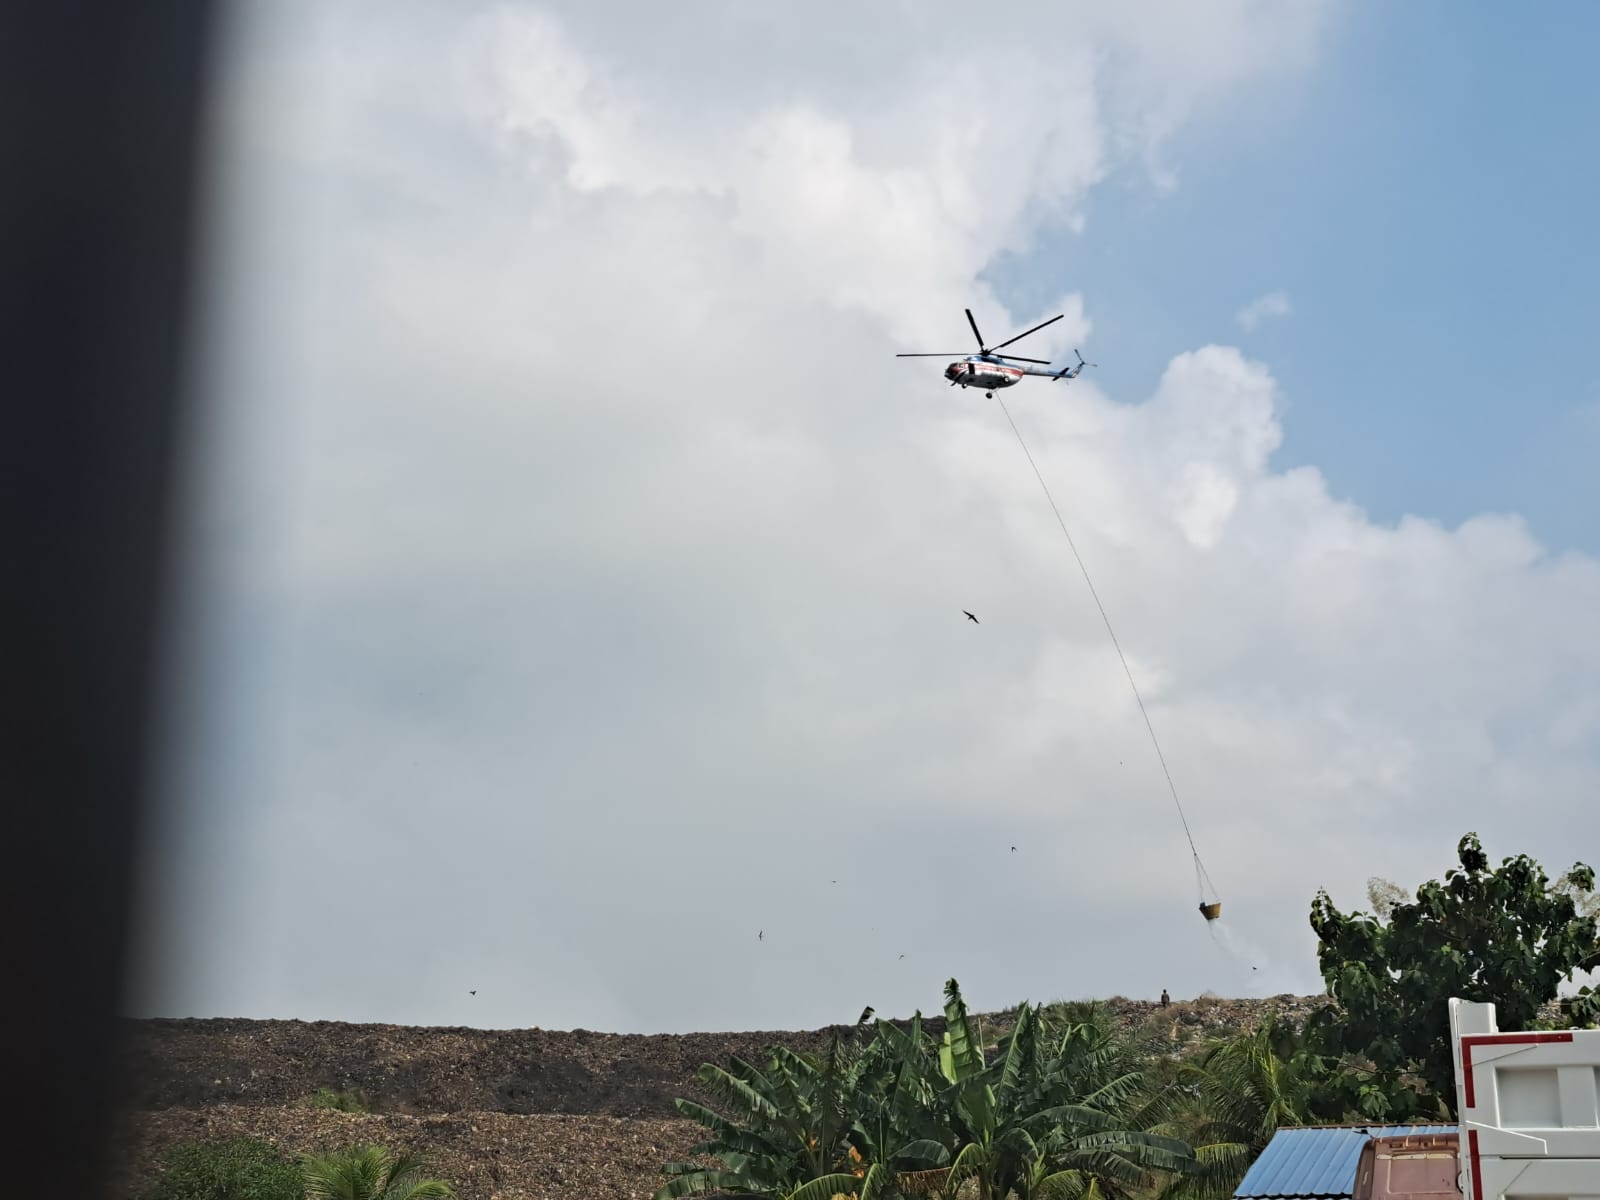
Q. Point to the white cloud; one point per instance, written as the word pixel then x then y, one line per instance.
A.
pixel 1273 304
pixel 583 576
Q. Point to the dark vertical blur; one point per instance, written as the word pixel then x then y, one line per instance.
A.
pixel 99 119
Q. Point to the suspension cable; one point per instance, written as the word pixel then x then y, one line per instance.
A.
pixel 1199 867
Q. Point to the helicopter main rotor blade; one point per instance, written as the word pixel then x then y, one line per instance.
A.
pixel 1044 362
pixel 946 354
pixel 1035 329
pixel 975 333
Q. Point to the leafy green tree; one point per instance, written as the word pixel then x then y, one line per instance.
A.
pixel 236 1169
pixel 1583 1008
pixel 369 1173
pixel 1505 935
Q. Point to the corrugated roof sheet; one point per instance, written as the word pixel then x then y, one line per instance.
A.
pixel 1317 1162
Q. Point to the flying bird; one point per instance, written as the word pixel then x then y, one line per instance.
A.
pixel 971 618
pixel 473 992
pixel 760 933
pixel 1013 849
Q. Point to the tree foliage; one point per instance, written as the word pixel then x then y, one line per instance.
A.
pixel 1238 1094
pixel 235 1169
pixel 369 1173
pixel 1505 935
pixel 1583 1008
pixel 1061 1111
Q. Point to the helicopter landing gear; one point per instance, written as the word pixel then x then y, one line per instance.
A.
pixel 990 395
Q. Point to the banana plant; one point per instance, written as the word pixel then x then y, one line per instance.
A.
pixel 899 1124
pixel 1050 1117
pixel 1062 1112
pixel 780 1129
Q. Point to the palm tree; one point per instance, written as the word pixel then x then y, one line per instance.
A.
pixel 369 1173
pixel 1240 1093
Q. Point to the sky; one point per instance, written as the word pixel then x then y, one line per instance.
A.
pixel 573 611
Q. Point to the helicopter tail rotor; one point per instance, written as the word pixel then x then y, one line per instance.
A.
pixel 1073 372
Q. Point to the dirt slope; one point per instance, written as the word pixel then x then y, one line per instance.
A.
pixel 196 1063
pixel 485 1156
pixel 526 1113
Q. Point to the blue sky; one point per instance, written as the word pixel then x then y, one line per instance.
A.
pixel 1427 197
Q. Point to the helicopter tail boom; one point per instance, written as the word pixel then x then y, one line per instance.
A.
pixel 1073 371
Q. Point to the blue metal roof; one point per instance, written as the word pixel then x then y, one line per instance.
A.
pixel 1317 1161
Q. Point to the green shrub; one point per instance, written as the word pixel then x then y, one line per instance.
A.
pixel 351 1100
pixel 236 1169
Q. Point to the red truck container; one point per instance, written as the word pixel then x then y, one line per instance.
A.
pixel 1419 1166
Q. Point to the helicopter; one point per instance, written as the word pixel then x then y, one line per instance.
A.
pixel 989 370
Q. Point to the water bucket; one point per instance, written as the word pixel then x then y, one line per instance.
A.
pixel 1211 911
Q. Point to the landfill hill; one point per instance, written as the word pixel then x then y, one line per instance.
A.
pixel 524 1113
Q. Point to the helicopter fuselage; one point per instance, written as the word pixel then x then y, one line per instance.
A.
pixel 988 373
pixel 974 371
